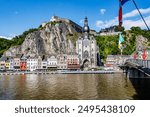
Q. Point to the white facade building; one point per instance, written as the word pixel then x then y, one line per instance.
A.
pixel 52 62
pixel 32 64
pixel 87 48
pixel 44 65
pixel 12 63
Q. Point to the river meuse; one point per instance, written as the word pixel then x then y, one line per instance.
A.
pixel 67 86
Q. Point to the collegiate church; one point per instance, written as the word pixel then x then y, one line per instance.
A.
pixel 87 48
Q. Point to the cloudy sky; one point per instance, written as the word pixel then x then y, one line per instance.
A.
pixel 17 16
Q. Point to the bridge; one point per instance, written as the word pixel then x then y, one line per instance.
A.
pixel 136 68
pixel 138 73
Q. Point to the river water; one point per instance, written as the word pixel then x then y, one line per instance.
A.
pixel 67 86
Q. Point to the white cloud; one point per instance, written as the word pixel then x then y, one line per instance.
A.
pixel 81 21
pixel 102 11
pixel 128 22
pixel 136 13
pixel 9 37
pixel 5 37
pixel 99 23
pixel 105 24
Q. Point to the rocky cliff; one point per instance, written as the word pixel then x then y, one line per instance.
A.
pixel 142 43
pixel 57 36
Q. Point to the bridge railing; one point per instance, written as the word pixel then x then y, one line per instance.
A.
pixel 140 62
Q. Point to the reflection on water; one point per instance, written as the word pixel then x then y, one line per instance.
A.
pixel 142 87
pixel 68 86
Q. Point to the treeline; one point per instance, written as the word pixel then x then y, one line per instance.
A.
pixel 5 44
pixel 138 31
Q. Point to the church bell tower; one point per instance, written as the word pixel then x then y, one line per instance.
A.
pixel 86 29
pixel 87 48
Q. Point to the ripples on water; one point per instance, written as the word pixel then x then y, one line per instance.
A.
pixel 68 86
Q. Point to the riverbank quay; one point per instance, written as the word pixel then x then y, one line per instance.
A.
pixel 62 72
pixel 86 72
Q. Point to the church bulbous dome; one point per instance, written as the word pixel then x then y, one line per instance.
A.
pixel 86 29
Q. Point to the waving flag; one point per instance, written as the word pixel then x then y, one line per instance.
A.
pixel 120 16
pixel 121 3
pixel 124 1
pixel 121 40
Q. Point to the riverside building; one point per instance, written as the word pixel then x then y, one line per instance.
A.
pixel 23 63
pixel 32 64
pixel 11 63
pixel 52 62
pixel 17 63
pixel 2 63
pixel 62 61
pixel 73 62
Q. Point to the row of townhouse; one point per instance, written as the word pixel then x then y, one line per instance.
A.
pixel 59 62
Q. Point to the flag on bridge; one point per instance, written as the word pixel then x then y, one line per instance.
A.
pixel 121 40
pixel 121 3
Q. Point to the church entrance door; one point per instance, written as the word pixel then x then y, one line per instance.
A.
pixel 86 64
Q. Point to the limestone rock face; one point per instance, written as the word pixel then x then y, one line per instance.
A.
pixel 141 43
pixel 54 37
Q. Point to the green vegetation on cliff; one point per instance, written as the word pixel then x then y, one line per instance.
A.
pixel 5 44
pixel 107 45
pixel 138 31
pixel 18 40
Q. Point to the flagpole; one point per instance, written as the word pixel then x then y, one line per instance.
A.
pixel 141 14
pixel 121 52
